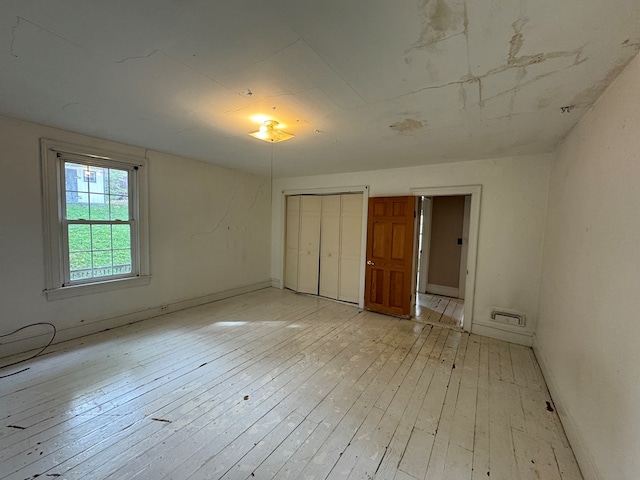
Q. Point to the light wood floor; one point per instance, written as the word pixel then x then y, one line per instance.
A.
pixel 277 385
pixel 438 309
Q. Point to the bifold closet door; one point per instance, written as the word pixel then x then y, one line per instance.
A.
pixel 330 246
pixel 350 248
pixel 309 244
pixel 292 239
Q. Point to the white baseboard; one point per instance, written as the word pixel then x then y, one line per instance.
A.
pixel 583 457
pixel 35 343
pixel 276 283
pixel 443 290
pixel 502 333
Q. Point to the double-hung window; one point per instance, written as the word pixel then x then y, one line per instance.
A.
pixel 95 219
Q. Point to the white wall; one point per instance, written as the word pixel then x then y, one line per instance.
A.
pixel 589 325
pixel 512 215
pixel 209 233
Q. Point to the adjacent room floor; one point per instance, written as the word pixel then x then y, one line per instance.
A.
pixel 277 385
pixel 438 309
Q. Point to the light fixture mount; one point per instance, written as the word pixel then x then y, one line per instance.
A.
pixel 270 132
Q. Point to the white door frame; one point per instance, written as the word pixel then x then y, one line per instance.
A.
pixel 426 243
pixel 474 226
pixel 364 189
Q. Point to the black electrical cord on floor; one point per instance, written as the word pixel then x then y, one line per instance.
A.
pixel 33 356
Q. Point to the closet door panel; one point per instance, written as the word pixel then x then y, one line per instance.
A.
pixel 350 248
pixel 309 254
pixel 330 246
pixel 292 243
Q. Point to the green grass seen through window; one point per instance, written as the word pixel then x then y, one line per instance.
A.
pixel 98 245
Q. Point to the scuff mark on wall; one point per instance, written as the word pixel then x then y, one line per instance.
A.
pixel 408 125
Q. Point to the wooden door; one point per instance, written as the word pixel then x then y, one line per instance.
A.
pixel 389 270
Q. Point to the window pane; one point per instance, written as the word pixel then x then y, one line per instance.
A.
pixel 119 208
pixel 96 178
pixel 121 261
pixel 102 263
pixel 76 208
pixel 118 182
pixel 79 238
pixel 80 265
pixel 98 207
pixel 121 236
pixel 74 177
pixel 102 259
pixel 100 237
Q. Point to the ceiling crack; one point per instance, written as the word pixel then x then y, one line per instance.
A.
pixel 417 46
pixel 126 59
pixel 279 50
pixel 208 77
pixel 268 97
pixel 20 19
pixel 70 104
pixel 521 73
pixel 13 37
pixel 336 73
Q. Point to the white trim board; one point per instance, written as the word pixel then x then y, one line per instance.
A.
pixel 506 334
pixel 32 343
pixel 474 227
pixel 442 290
pixel 583 457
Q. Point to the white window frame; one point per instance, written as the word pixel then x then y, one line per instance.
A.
pixel 57 275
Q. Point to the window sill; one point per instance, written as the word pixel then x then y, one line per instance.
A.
pixel 87 289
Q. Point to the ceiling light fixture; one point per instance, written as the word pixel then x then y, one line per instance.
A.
pixel 269 132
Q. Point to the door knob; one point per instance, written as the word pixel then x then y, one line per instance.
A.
pixel 369 262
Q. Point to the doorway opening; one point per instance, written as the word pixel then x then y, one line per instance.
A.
pixel 442 246
pixel 445 254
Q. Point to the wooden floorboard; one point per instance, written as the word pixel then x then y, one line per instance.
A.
pixel 436 309
pixel 272 384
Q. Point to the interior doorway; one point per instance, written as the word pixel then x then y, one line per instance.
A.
pixel 444 279
pixel 442 245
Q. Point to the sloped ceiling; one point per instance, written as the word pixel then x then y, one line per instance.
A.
pixel 362 84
